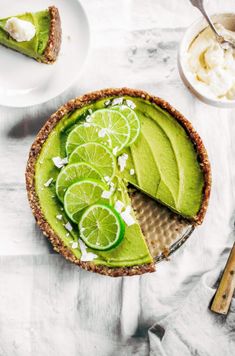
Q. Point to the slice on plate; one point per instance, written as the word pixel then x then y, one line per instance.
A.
pixel 157 182
pixel 36 35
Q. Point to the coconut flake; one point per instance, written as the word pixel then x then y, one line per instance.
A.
pixel 48 182
pixel 106 194
pixel 132 171
pixel 88 118
pixel 60 162
pixel 59 217
pixel 119 206
pixel 86 124
pixel 115 150
pixel 130 104
pixel 117 101
pixel 68 226
pixel 90 111
pixel 107 178
pixel 128 209
pixel 107 102
pixel 112 186
pixel 127 217
pixel 89 256
pixel 102 132
pixel 74 245
pixel 82 246
pixel 86 256
pixel 122 161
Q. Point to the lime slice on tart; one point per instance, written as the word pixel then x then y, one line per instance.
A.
pixel 86 132
pixel 116 126
pixel 73 173
pixel 97 155
pixel 82 194
pixel 101 227
pixel 132 119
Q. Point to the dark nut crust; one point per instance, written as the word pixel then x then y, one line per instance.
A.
pixel 49 126
pixel 53 46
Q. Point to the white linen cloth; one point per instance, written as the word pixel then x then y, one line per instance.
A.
pixel 193 329
pixel 49 307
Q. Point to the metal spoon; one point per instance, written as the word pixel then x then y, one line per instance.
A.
pixel 225 43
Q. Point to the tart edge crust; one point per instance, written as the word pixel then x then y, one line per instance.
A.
pixel 41 137
pixel 54 42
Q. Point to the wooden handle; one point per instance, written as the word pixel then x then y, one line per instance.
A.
pixel 224 293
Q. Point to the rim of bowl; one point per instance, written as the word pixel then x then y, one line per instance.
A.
pixel 190 34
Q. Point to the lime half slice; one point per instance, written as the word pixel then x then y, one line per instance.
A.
pixel 101 227
pixel 96 154
pixel 132 119
pixel 116 126
pixel 86 132
pixel 80 195
pixel 73 173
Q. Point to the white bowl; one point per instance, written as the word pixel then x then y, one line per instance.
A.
pixel 228 21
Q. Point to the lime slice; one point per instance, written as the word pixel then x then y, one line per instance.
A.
pixel 132 119
pixel 86 132
pixel 82 194
pixel 101 227
pixel 73 173
pixel 96 154
pixel 116 125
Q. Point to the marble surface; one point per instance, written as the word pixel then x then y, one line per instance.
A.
pixel 50 307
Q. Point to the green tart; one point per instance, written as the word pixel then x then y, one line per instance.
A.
pixel 45 44
pixel 163 157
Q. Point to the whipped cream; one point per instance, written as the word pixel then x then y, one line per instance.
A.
pixel 20 30
pixel 211 67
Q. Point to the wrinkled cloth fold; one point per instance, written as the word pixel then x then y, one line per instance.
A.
pixel 193 329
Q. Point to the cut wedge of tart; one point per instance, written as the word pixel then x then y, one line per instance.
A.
pixel 131 173
pixel 36 35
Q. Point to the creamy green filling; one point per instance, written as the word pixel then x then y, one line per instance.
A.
pixel 37 45
pixel 165 164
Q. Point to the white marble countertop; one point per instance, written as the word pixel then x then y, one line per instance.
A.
pixel 49 306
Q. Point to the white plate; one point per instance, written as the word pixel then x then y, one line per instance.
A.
pixel 25 82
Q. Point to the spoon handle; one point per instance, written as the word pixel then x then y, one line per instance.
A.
pixel 224 293
pixel 199 4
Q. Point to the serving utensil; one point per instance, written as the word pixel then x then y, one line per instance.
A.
pixel 224 293
pixel 224 42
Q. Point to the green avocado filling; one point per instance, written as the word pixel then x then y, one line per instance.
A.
pixel 165 165
pixel 37 45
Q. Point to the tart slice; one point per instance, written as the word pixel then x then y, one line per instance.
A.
pixel 36 35
pixel 114 176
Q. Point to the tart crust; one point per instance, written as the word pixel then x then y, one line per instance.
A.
pixel 53 46
pixel 36 147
